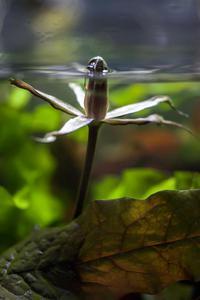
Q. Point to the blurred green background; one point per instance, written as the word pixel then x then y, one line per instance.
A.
pixel 38 182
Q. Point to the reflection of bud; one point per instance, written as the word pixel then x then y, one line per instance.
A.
pixel 97 65
pixel 96 97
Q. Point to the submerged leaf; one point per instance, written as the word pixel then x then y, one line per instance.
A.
pixel 115 247
pixel 141 246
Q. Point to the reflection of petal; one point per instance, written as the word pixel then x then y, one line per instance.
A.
pixel 79 67
pixel 132 108
pixel 79 93
pixel 70 126
pixel 55 102
pixel 155 119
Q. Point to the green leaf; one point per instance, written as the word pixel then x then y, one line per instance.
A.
pixel 139 91
pixel 103 189
pixel 8 219
pixel 21 198
pixel 44 208
pixel 18 99
pixel 26 173
pixel 168 184
pixel 143 182
pixel 132 183
pixel 44 118
pixel 38 207
pixel 187 180
pixel 115 248
pixel 6 199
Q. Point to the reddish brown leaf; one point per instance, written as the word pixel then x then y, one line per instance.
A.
pixel 141 246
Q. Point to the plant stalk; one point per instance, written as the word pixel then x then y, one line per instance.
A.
pixel 85 177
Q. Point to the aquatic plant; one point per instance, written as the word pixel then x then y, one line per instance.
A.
pixel 94 112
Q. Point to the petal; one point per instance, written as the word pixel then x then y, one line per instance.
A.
pixel 132 108
pixel 155 119
pixel 46 139
pixel 79 93
pixel 53 101
pixel 70 126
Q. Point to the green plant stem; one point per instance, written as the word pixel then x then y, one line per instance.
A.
pixel 84 183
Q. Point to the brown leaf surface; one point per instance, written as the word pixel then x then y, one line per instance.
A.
pixel 114 248
pixel 141 246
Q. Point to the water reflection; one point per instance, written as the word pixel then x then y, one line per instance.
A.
pixel 158 74
pixel 129 34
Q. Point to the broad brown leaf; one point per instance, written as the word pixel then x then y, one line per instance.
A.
pixel 141 246
pixel 114 248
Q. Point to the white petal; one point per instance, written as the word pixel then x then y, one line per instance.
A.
pixel 70 126
pixel 46 139
pixel 132 108
pixel 53 101
pixel 154 119
pixel 79 93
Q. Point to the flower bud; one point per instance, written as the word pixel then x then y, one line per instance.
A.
pixel 96 96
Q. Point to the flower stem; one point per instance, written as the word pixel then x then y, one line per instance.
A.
pixel 85 177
